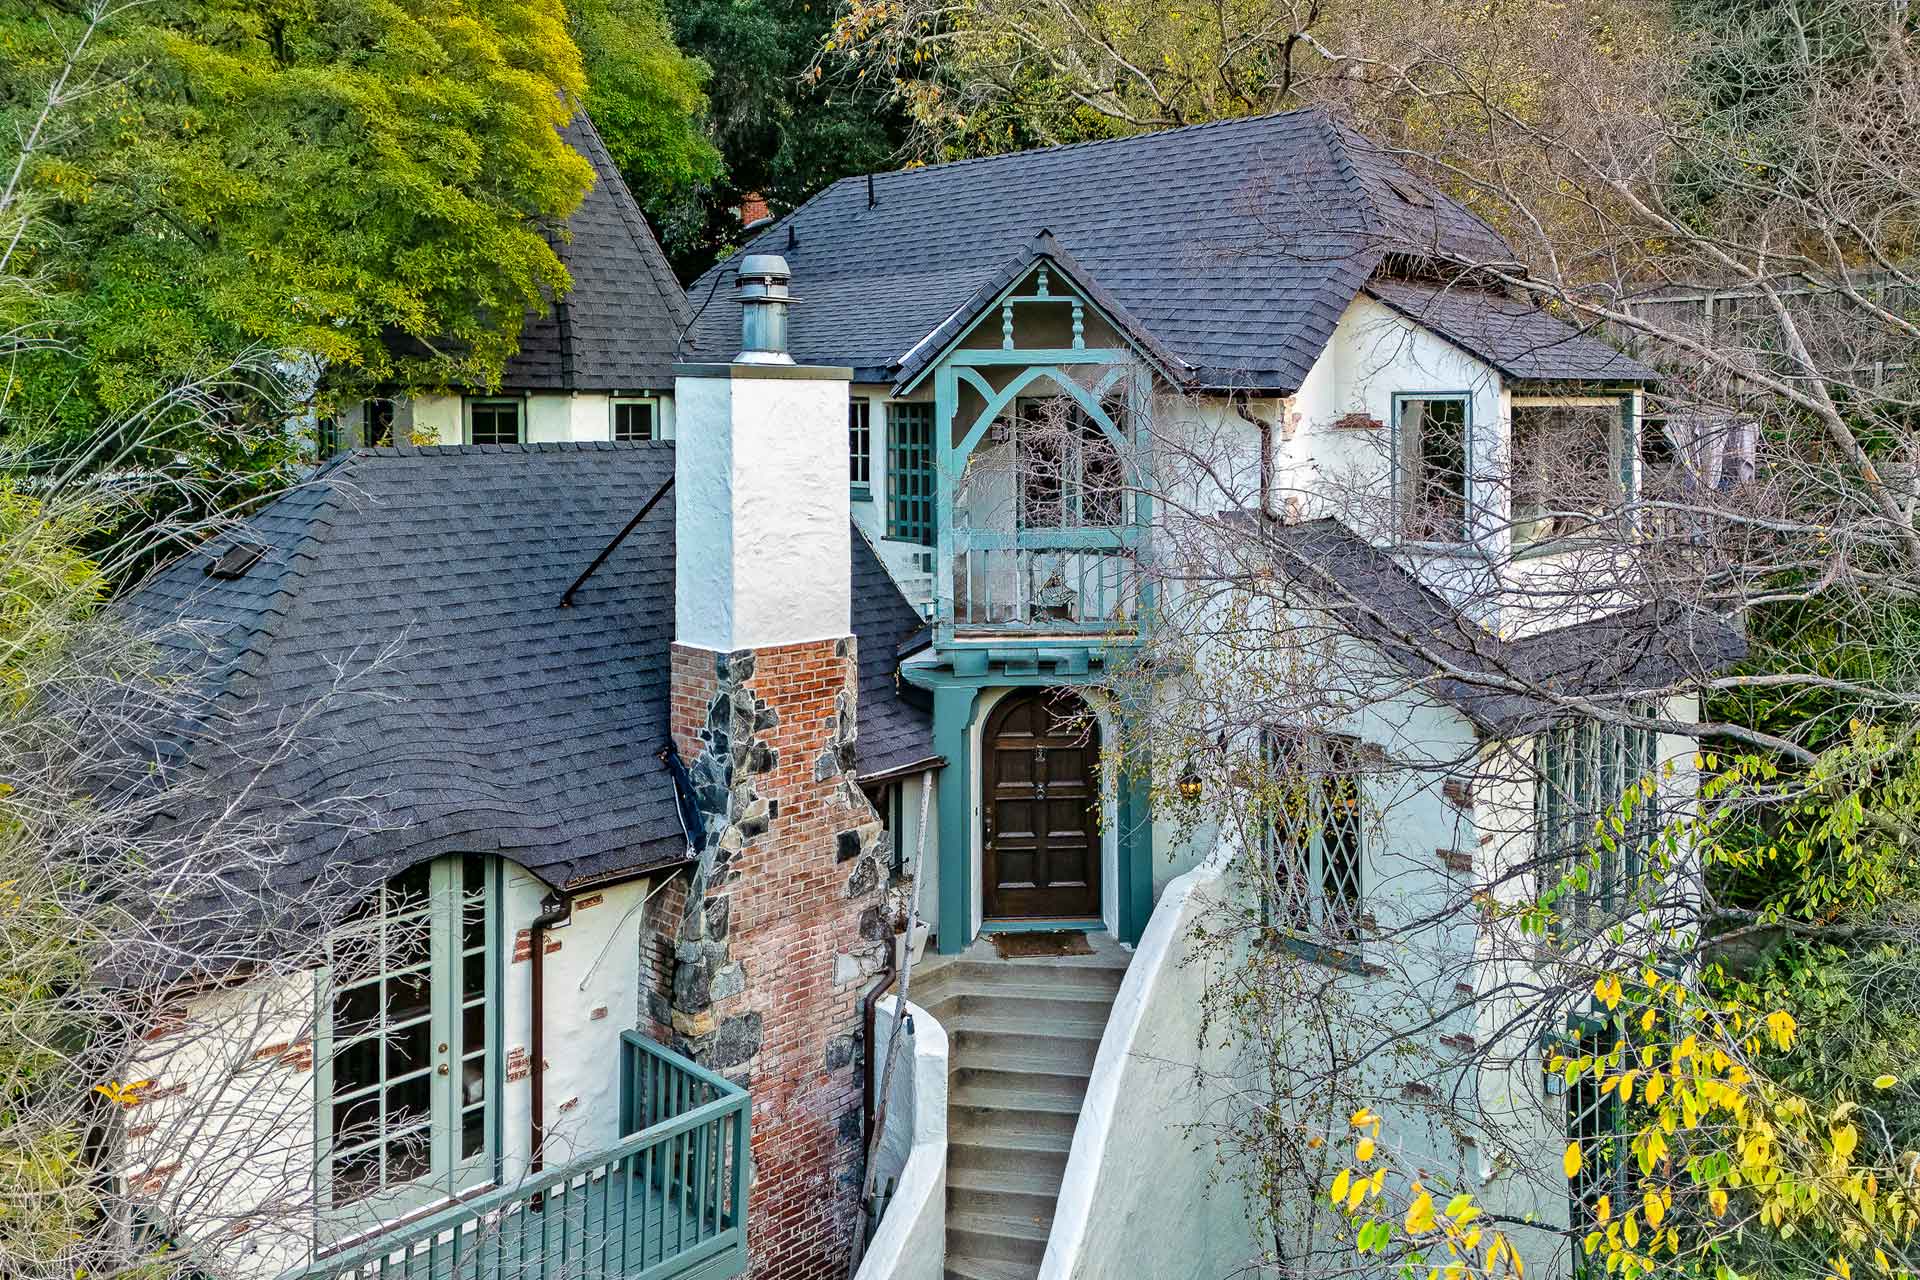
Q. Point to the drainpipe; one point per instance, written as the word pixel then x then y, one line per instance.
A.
pixel 1266 458
pixel 556 909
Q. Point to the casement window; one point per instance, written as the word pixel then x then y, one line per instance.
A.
pixel 1314 835
pixel 860 446
pixel 1584 770
pixel 636 419
pixel 1572 466
pixel 1070 474
pixel 495 421
pixel 326 437
pixel 408 1042
pixel 1432 486
pixel 910 478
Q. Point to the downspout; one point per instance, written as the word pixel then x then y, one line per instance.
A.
pixel 1266 458
pixel 555 909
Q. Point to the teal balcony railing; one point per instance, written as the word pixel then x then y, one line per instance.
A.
pixel 667 1202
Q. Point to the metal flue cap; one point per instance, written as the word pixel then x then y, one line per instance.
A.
pixel 762 289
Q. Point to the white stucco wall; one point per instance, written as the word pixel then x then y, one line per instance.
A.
pixel 550 417
pixel 910 1242
pixel 1136 1199
pixel 761 511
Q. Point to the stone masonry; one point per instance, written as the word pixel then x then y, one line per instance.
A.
pixel 783 923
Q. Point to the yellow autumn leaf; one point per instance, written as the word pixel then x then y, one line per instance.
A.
pixel 1365 1150
pixel 1780 1025
pixel 1603 1209
pixel 1717 1201
pixel 1360 1118
pixel 1845 1139
pixel 1885 1082
pixel 1357 1194
pixel 1420 1218
pixel 1339 1192
pixel 1655 1208
pixel 1570 1161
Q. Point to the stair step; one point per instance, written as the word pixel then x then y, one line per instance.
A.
pixel 981 1235
pixel 1030 1064
pixel 978 1047
pixel 978 975
pixel 1023 1181
pixel 1015 1195
pixel 994 1125
pixel 1005 1020
pixel 987 1269
pixel 1029 1154
pixel 994 1097
pixel 1070 1087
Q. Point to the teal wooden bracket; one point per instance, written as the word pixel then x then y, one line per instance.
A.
pixel 954 707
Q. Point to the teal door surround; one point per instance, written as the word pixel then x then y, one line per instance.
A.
pixel 956 686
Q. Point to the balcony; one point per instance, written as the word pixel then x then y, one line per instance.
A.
pixel 1029 581
pixel 668 1202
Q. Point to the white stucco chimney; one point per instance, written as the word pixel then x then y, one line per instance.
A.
pixel 761 515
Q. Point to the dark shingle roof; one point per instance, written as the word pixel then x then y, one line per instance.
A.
pixel 1236 245
pixel 475 714
pixel 1504 687
pixel 616 328
pixel 1519 339
pixel 894 733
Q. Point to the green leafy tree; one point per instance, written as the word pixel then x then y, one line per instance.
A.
pixel 361 186
pixel 648 99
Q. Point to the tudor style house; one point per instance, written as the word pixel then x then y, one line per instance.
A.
pixel 652 724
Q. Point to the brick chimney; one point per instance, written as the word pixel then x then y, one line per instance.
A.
pixel 785 916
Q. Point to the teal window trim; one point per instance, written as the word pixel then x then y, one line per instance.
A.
pixel 407 1046
pixel 629 431
pixel 911 480
pixel 1398 471
pixel 1583 768
pixel 1315 861
pixel 488 408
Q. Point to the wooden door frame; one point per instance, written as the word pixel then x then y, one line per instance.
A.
pixel 989 731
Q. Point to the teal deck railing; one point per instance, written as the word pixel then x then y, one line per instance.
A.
pixel 667 1202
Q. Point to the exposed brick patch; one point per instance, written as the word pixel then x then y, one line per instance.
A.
pixel 1358 422
pixel 1459 1041
pixel 569 1105
pixel 553 944
pixel 139 1131
pixel 518 1064
pixel 1459 793
pixel 1415 1089
pixel 598 1013
pixel 150 1182
pixel 589 902
pixel 523 946
pixel 1460 860
pixel 770 951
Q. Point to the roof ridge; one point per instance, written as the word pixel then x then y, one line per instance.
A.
pixel 525 446
pixel 1336 144
pixel 1056 147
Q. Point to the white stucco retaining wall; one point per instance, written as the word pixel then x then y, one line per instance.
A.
pixel 1138 1199
pixel 911 1242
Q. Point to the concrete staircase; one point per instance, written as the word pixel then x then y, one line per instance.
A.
pixel 1023 1033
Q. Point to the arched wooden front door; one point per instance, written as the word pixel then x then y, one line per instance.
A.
pixel 1042 809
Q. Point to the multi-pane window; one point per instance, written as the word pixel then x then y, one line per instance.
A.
pixel 1314 834
pixel 1071 476
pixel 494 421
pixel 1585 769
pixel 326 437
pixel 860 445
pixel 1594 1124
pixel 407 1045
pixel 1432 441
pixel 1571 468
pixel 910 479
pixel 635 420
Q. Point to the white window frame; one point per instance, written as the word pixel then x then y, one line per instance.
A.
pixel 469 403
pixel 1468 489
pixel 614 406
pixel 1623 453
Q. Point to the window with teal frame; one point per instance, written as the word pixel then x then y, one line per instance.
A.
pixel 1585 767
pixel 910 487
pixel 408 1043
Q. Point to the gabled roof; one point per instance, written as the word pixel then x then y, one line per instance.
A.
pixel 894 731
pixel 1504 687
pixel 1043 248
pixel 616 329
pixel 412 597
pixel 1519 339
pixel 1236 245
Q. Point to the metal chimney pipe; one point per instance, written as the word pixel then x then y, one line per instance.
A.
pixel 761 286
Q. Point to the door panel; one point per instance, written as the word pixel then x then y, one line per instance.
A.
pixel 1042 837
